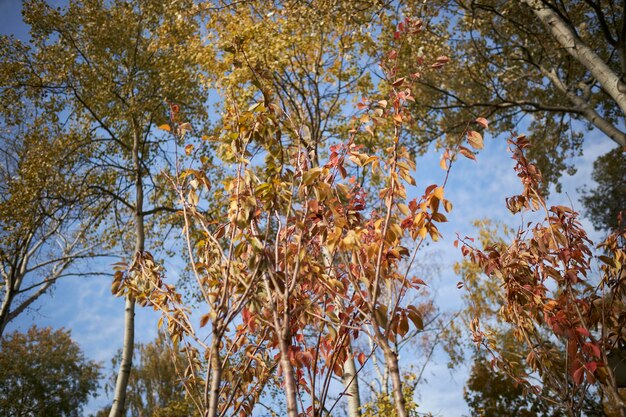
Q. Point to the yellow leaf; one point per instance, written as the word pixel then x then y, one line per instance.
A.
pixel 475 139
pixel 443 164
pixel 165 127
pixel 404 209
pixel 438 193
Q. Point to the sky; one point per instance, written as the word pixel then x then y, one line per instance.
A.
pixel 476 188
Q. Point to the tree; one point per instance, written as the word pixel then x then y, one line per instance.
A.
pixel 112 65
pixel 153 387
pixel 560 62
pixel 44 373
pixel 567 322
pixel 47 218
pixel 490 393
pixel 605 203
pixel 490 390
pixel 305 262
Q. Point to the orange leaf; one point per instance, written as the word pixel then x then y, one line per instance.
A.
pixel 467 153
pixel 204 320
pixel 361 358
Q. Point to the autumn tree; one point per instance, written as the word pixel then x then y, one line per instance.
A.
pixel 44 373
pixel 560 62
pixel 111 65
pixel 567 321
pixel 305 261
pixel 604 203
pixel 47 218
pixel 154 388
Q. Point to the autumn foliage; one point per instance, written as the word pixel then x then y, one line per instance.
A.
pixel 552 295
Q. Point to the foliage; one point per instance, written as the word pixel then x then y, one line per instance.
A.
pixel 548 299
pixel 605 203
pixel 382 404
pixel 44 373
pixel 46 216
pixel 560 62
pixel 490 393
pixel 112 65
pixel 153 388
pixel 303 264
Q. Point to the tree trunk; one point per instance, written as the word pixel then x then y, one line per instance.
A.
pixel 290 379
pixel 119 400
pixel 391 360
pixel 351 383
pixel 216 378
pixel 567 37
pixel 6 304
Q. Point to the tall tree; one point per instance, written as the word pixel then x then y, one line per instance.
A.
pixel 154 388
pixel 112 65
pixel 44 373
pixel 607 202
pixel 47 218
pixel 559 62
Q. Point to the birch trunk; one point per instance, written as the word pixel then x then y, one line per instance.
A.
pixel 567 37
pixel 391 359
pixel 216 379
pixel 290 380
pixel 119 400
pixel 351 383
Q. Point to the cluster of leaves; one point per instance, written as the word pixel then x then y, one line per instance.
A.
pixel 304 263
pixel 548 298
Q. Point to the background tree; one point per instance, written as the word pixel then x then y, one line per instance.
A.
pixel 154 388
pixel 560 62
pixel 47 218
pixel 111 65
pixel 605 202
pixel 44 373
pixel 490 393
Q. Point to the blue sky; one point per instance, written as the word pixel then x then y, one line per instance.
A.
pixel 477 190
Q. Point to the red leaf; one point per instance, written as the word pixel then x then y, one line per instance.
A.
pixel 361 358
pixel 578 375
pixel 582 331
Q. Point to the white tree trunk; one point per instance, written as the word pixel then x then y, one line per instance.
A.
pixel 567 37
pixel 351 384
pixel 119 400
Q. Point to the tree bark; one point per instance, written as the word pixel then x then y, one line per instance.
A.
pixel 6 304
pixel 288 374
pixel 351 383
pixel 391 358
pixel 119 400
pixel 569 40
pixel 216 378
